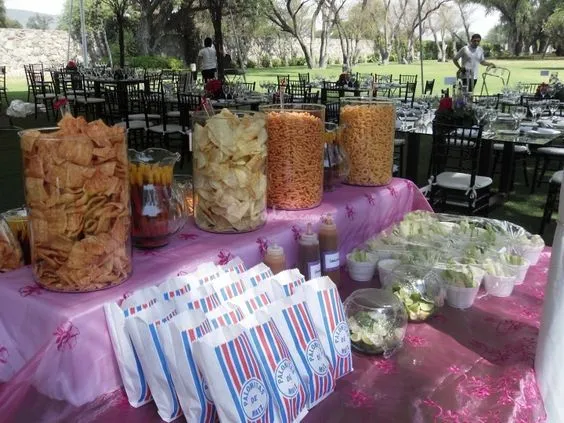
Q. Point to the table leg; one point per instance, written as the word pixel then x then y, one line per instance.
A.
pixel 413 145
pixel 507 163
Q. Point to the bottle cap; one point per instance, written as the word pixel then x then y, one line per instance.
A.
pixel 327 221
pixel 309 237
pixel 275 250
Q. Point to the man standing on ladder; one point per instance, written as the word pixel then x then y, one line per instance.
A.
pixel 471 56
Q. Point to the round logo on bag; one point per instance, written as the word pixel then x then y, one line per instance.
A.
pixel 287 378
pixel 254 398
pixel 342 341
pixel 206 390
pixel 316 358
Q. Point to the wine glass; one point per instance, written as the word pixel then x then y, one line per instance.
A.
pixel 553 107
pixel 518 113
pixel 492 117
pixel 481 113
pixel 536 108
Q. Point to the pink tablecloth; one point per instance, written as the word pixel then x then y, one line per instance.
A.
pixel 58 343
pixel 473 366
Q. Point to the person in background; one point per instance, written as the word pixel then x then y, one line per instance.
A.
pixel 207 60
pixel 471 57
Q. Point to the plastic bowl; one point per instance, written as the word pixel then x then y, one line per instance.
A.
pixel 460 297
pixel 520 271
pixel 385 269
pixel 499 286
pixel 360 271
pixel 530 253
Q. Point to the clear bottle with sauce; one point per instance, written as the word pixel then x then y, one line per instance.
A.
pixel 308 254
pixel 329 249
pixel 275 258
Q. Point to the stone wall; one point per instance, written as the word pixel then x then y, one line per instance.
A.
pixel 19 47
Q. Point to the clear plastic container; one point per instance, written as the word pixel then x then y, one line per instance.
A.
pixel 151 180
pixel 295 155
pixel 229 171
pixel 368 139
pixel 335 160
pixel 377 321
pixel 420 289
pixel 461 297
pixel 499 286
pixel 18 222
pixel 77 195
pixel 11 256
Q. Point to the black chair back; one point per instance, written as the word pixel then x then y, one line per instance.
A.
pixel 404 79
pixel 332 111
pixel 303 77
pixel 429 85
pixel 409 95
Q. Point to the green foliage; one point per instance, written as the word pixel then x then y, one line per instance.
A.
pixel 155 62
pixel 39 21
pixel 251 64
pixel 276 62
pixel 2 14
pixel 265 61
pixel 12 23
pixel 297 61
pixel 430 50
pixel 487 47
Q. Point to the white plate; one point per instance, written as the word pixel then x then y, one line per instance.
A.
pixel 507 132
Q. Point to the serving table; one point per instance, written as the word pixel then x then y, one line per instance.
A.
pixel 58 344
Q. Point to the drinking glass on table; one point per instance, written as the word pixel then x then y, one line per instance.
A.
pixel 481 114
pixel 492 117
pixel 536 108
pixel 553 107
pixel 518 113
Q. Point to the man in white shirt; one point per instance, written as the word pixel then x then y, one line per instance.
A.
pixel 471 56
pixel 207 60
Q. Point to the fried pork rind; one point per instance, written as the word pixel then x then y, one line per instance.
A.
pixel 11 256
pixel 230 172
pixel 77 193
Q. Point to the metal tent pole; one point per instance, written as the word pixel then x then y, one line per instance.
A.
pixel 70 31
pixel 420 45
pixel 83 34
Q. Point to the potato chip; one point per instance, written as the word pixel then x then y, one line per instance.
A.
pixel 11 255
pixel 78 199
pixel 229 159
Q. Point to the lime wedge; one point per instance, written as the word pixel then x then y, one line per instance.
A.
pixel 367 340
pixel 355 337
pixel 426 307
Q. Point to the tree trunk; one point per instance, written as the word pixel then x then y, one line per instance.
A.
pixel 217 15
pixel 121 41
pixel 144 35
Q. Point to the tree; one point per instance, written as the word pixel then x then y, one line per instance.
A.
pixel 2 14
pixel 120 9
pixel 554 28
pixel 39 21
pixel 290 17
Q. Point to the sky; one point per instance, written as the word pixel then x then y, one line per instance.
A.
pixel 480 22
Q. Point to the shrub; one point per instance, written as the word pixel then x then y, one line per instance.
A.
pixel 276 62
pixel 251 64
pixel 297 61
pixel 265 61
pixel 155 62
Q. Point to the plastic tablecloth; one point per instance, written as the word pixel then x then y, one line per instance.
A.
pixel 57 345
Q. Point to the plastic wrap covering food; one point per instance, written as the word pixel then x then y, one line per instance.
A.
pixel 420 289
pixel 11 256
pixel 295 155
pixel 377 321
pixel 229 171
pixel 77 195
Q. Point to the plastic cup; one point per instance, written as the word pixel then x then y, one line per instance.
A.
pixel 385 270
pixel 461 297
pixel 499 286
pixel 519 271
pixel 530 253
pixel 360 271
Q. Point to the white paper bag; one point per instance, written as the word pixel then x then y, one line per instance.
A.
pixel 237 384
pixel 201 298
pixel 328 315
pixel 284 383
pixel 293 320
pixel 142 328
pixel 289 280
pixel 224 315
pixel 132 376
pixel 256 275
pixel 228 285
pixel 252 300
pixel 236 266
pixel 178 336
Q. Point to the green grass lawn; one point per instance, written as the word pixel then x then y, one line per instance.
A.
pixel 521 71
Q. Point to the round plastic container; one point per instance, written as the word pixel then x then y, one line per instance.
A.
pixel 519 271
pixel 77 195
pixel 461 297
pixel 295 155
pixel 531 253
pixel 385 271
pixel 499 286
pixel 360 271
pixel 229 170
pixel 11 256
pixel 18 222
pixel 377 321
pixel 368 139
pixel 151 180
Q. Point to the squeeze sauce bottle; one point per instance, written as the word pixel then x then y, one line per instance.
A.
pixel 308 254
pixel 275 258
pixel 329 248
